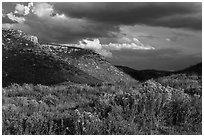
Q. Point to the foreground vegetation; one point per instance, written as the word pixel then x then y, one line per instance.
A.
pixel 147 108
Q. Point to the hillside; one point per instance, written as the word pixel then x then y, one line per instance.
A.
pixel 143 75
pixel 90 62
pixel 26 61
pixel 194 69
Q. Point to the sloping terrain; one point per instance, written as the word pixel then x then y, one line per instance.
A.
pixel 191 84
pixel 25 62
pixel 194 69
pixel 90 62
pixel 143 75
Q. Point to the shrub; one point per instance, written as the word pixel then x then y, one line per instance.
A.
pixel 146 108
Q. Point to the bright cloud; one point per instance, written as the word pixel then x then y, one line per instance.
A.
pixel 168 39
pixel 23 10
pixel 105 49
pixel 133 46
pixel 12 17
pixel 39 9
pixel 95 44
pixel 19 9
pixel 43 9
pixel 92 44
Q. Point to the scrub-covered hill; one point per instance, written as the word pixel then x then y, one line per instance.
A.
pixel 26 61
pixel 90 62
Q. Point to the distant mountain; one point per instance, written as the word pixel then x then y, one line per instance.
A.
pixel 194 69
pixel 24 60
pixel 143 75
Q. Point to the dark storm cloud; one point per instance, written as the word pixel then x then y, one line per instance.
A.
pixel 163 59
pixel 156 14
pixel 50 26
pixel 178 21
pixel 164 53
pixel 67 30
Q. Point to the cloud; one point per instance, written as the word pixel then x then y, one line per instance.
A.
pixel 59 28
pixel 39 9
pixel 50 26
pixel 14 18
pixel 23 10
pixel 167 14
pixel 135 45
pixel 7 25
pixel 6 19
pixel 71 22
pixel 161 59
pixel 190 21
pixel 92 44
pixel 149 36
pixel 168 39
pixel 95 44
pixel 43 9
pixel 20 10
pixel 134 33
pixel 105 49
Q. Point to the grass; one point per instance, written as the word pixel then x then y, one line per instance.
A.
pixel 147 108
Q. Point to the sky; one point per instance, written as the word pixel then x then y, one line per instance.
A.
pixel 140 35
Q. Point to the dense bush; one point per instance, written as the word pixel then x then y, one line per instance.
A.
pixel 192 84
pixel 146 108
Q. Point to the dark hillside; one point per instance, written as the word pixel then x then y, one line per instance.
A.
pixel 24 62
pixel 194 69
pixel 143 75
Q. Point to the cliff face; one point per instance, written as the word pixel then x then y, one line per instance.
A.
pixel 26 61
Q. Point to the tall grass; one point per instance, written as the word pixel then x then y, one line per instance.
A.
pixel 147 108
